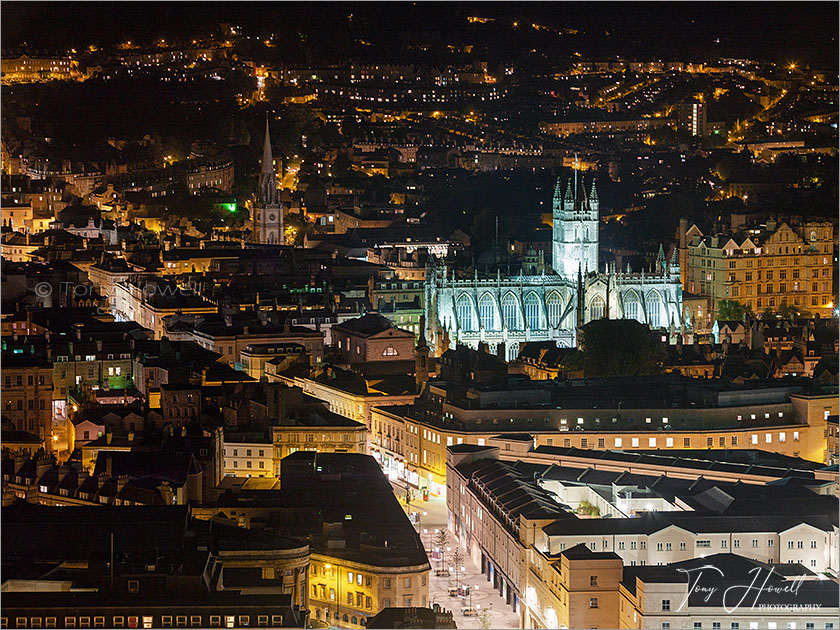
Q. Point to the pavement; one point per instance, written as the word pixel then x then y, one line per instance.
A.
pixel 433 516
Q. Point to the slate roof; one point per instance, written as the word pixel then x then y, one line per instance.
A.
pixel 365 326
pixel 160 466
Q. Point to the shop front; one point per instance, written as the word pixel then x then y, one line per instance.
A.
pixel 393 467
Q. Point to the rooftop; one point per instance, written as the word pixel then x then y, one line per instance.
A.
pixel 730 570
pixel 344 503
pixel 367 325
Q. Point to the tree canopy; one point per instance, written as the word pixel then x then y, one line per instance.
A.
pixel 731 310
pixel 622 347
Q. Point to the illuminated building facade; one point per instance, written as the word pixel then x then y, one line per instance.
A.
pixel 764 268
pixel 692 118
pixel 541 304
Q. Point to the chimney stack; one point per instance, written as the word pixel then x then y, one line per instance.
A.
pixel 42 466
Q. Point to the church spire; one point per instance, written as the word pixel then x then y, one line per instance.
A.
pixel 268 182
pixel 267 158
pixel 593 195
pixel 660 260
pixel 569 196
pixel 558 190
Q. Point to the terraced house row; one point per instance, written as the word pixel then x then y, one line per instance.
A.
pixel 671 413
pixel 605 542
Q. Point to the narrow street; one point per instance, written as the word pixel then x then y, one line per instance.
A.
pixel 432 517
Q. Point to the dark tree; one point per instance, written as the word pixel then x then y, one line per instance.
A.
pixel 621 347
pixel 731 310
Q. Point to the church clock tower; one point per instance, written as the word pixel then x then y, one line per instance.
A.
pixel 268 211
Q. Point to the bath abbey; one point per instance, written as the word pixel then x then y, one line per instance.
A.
pixel 550 303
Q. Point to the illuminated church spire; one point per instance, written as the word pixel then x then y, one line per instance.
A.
pixel 268 213
pixel 268 183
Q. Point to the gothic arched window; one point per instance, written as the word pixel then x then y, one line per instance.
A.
pixel 653 306
pixel 554 306
pixel 631 307
pixel 487 312
pixel 533 312
pixel 466 317
pixel 510 311
pixel 596 308
pixel 512 351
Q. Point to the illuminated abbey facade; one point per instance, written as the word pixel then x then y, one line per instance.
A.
pixel 550 304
